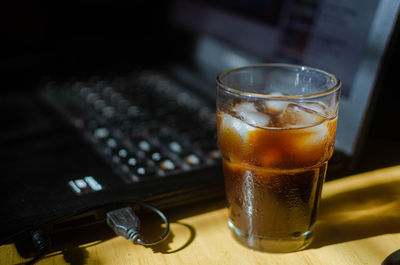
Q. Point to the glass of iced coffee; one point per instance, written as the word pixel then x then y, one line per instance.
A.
pixel 276 132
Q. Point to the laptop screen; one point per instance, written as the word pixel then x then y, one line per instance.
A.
pixel 345 38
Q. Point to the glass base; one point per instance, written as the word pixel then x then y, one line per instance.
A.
pixel 271 244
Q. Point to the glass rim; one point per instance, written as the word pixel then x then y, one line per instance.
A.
pixel 337 83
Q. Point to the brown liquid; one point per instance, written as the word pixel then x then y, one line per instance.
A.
pixel 272 203
pixel 274 175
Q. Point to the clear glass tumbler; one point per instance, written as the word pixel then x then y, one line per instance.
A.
pixel 276 131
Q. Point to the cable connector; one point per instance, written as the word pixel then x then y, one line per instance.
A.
pixel 41 242
pixel 125 223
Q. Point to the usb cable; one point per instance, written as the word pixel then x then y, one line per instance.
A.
pixel 125 223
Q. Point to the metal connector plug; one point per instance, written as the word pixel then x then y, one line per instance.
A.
pixel 126 223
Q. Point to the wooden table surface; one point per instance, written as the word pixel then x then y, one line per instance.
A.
pixel 358 223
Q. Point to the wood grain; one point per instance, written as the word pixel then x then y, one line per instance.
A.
pixel 359 223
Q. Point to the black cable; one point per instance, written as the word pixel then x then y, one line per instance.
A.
pixel 138 238
pixel 123 221
pixel 392 259
pixel 42 243
pixel 37 258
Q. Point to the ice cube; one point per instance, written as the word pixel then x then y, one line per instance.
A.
pixel 318 134
pixel 276 106
pixel 317 106
pixel 255 118
pixel 248 113
pixel 296 116
pixel 244 107
pixel 236 124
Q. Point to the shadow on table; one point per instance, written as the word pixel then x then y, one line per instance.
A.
pixel 181 234
pixel 72 245
pixel 357 214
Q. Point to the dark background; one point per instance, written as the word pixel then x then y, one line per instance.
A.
pixel 82 38
pixel 64 38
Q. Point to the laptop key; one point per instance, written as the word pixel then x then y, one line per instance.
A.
pixel 145 124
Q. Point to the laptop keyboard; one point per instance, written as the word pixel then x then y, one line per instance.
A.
pixel 145 125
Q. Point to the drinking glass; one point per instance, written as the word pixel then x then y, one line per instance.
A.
pixel 276 127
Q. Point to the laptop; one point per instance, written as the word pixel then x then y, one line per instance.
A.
pixel 71 155
pixel 345 39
